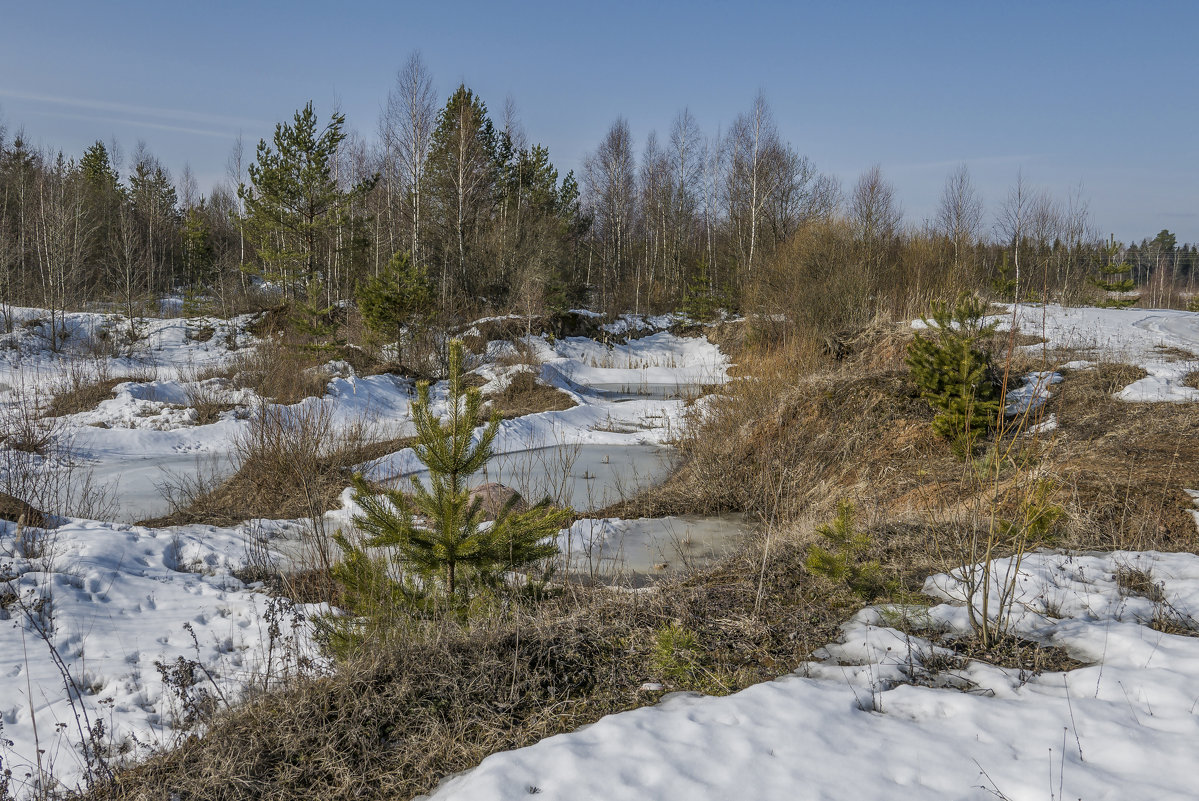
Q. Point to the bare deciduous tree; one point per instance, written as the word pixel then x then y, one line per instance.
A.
pixel 609 179
pixel 406 131
pixel 960 213
pixel 751 141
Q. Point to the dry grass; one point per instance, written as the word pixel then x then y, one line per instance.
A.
pixel 293 463
pixel 280 372
pixel 392 722
pixel 82 396
pixel 1192 379
pixel 525 394
pixel 782 447
pixel 1131 580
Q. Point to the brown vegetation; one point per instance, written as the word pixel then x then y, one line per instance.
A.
pixel 525 394
pixel 392 722
pixel 82 397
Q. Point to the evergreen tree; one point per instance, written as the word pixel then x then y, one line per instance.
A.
pixel 198 254
pixel 842 557
pixel 1114 275
pixel 102 199
pixel 453 551
pixel 460 179
pixel 294 202
pixel 699 301
pixel 953 372
pixel 397 300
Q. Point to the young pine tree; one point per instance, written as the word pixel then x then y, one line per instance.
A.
pixel 453 551
pixel 397 300
pixel 953 372
pixel 1115 276
pixel 842 556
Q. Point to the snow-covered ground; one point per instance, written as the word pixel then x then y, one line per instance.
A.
pixel 1164 342
pixel 846 726
pixel 93 613
pixel 101 604
pixel 855 725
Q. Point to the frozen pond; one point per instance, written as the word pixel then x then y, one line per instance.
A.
pixel 585 477
pixel 137 484
pixel 617 392
pixel 638 550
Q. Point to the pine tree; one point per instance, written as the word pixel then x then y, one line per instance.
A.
pixel 294 203
pixel 198 255
pixel 1114 276
pixel 103 199
pixel 453 551
pixel 953 372
pixel 699 301
pixel 843 560
pixel 397 300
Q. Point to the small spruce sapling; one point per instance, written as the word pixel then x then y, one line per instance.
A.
pixel 451 549
pixel 953 372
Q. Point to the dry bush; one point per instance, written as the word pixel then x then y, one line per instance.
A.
pixel 82 398
pixel 87 383
pixel 83 387
pixel 204 392
pixel 280 372
pixel 38 466
pixel 23 426
pixel 293 462
pixel 208 402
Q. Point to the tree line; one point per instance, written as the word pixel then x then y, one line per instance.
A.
pixel 464 204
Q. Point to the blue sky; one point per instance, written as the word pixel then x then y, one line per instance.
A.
pixel 1096 94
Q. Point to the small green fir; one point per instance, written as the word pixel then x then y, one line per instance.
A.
pixel 842 556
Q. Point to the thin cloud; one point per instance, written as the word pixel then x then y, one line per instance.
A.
pixel 995 161
pixel 179 115
pixel 162 126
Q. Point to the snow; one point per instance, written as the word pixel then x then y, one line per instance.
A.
pixel 863 719
pixel 863 722
pixel 1033 393
pixel 628 396
pixel 115 600
pixel 1164 342
pixel 119 598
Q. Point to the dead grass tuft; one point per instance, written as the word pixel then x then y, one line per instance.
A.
pixel 281 372
pixel 1015 653
pixel 1132 580
pixel 526 394
pixel 82 397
